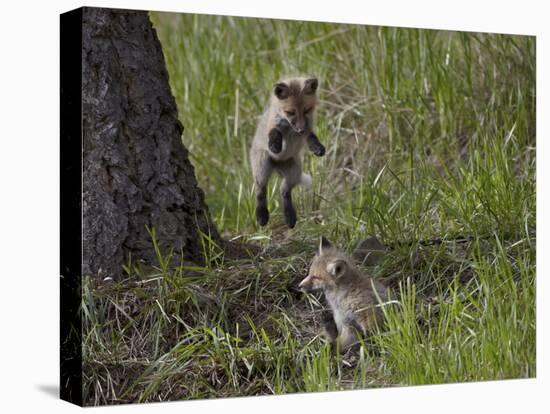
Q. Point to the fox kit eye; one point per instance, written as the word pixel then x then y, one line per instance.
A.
pixel 307 110
pixel 290 113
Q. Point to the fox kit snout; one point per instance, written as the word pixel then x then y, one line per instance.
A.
pixel 284 128
pixel 352 296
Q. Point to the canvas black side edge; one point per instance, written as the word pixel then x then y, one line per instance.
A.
pixel 71 206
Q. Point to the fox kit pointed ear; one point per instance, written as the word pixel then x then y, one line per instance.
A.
pixel 310 86
pixel 281 90
pixel 337 267
pixel 324 244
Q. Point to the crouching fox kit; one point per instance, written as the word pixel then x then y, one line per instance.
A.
pixel 285 127
pixel 352 296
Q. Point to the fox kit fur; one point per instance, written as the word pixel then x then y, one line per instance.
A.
pixel 352 296
pixel 285 126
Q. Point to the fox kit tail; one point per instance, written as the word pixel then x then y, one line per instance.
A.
pixel 305 180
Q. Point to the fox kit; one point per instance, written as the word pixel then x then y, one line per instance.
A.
pixel 351 295
pixel 285 126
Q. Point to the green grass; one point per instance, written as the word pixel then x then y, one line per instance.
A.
pixel 428 134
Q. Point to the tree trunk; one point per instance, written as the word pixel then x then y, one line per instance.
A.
pixel 136 171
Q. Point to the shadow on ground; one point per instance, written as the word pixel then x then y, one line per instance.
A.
pixel 49 389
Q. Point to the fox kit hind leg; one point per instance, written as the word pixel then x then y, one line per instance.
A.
pixel 262 169
pixel 291 171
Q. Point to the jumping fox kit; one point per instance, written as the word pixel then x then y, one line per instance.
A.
pixel 351 295
pixel 285 126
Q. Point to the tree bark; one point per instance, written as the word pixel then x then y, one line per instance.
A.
pixel 136 171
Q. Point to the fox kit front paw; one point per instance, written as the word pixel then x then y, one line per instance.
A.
pixel 275 143
pixel 330 330
pixel 315 145
pixel 319 150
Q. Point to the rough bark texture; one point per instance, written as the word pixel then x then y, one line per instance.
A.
pixel 136 171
